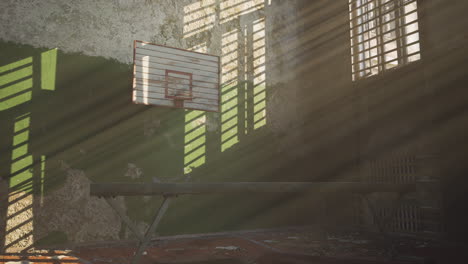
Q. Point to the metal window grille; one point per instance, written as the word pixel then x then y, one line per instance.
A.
pixel 384 35
pixel 402 168
pixel 407 218
pixel 397 169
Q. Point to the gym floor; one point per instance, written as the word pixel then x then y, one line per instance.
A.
pixel 261 247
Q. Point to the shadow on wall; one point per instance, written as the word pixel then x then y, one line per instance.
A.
pixel 22 173
pixel 236 31
pixel 87 128
pixel 62 116
pixel 67 119
pixel 236 144
pixel 417 108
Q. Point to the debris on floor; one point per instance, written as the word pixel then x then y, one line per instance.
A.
pixel 229 248
pixel 282 247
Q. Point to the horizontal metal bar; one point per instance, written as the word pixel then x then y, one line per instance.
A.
pixel 356 25
pixel 137 189
pixel 380 7
pixel 385 33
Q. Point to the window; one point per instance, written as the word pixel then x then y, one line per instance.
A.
pixel 384 35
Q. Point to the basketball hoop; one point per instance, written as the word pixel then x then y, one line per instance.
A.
pixel 178 87
pixel 175 78
pixel 179 102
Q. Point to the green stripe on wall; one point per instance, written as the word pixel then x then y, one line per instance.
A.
pixel 15 65
pixel 48 69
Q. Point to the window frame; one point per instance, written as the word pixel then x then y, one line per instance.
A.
pixel 368 29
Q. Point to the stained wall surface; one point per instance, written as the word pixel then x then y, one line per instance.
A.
pixel 68 120
pixel 289 112
pixel 414 110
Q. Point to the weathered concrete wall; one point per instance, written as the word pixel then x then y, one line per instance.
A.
pixel 97 28
pixel 446 79
pixel 108 29
pixel 415 109
pixel 88 130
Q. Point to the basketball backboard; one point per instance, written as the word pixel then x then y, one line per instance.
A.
pixel 172 77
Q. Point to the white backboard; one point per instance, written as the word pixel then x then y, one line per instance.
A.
pixel 173 77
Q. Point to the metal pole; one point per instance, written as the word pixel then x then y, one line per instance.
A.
pixel 124 218
pixel 151 229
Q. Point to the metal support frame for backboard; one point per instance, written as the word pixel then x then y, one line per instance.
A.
pixel 170 190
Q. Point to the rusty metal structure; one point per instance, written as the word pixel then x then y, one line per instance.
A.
pixel 172 190
pixel 418 212
pixel 139 189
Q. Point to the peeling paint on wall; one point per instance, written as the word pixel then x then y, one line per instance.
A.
pixel 133 171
